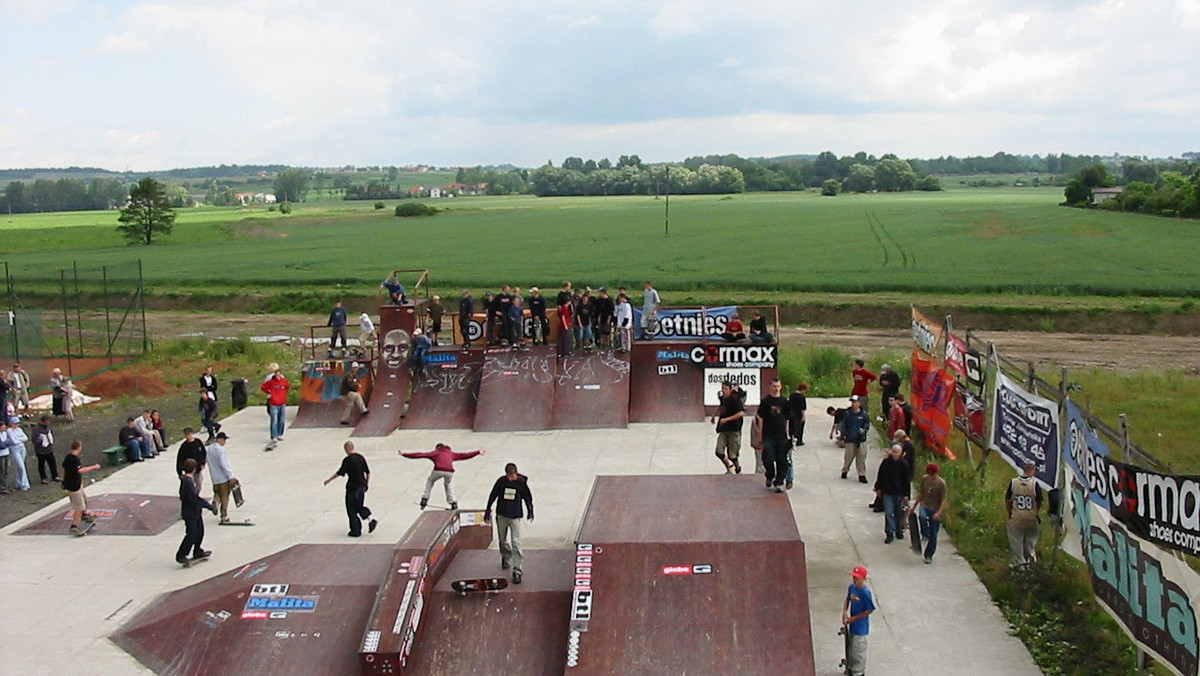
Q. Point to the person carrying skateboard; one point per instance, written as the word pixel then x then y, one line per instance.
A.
pixel 190 504
pixel 443 458
pixel 509 492
pixel 223 479
pixel 73 483
pixel 892 488
pixel 856 621
pixel 931 500
pixel 358 475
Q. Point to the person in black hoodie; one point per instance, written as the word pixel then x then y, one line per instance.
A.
pixel 537 311
pixel 509 492
pixel 892 484
pixel 190 505
pixel 466 308
pixel 193 448
pixel 605 310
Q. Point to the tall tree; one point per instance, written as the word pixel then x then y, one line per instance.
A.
pixel 148 213
pixel 291 185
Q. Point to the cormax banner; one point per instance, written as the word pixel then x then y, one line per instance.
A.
pixel 1161 508
pixel 1025 429
pixel 1151 595
pixel 686 323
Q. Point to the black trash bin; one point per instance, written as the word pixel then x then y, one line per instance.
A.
pixel 238 393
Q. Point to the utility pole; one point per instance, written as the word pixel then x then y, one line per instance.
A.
pixel 667 217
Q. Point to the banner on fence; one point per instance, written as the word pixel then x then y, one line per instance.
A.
pixel 932 389
pixel 969 414
pixel 686 323
pixel 1025 429
pixel 963 361
pixel 1152 595
pixel 926 333
pixel 1086 454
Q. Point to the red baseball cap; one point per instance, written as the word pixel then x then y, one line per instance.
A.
pixel 859 572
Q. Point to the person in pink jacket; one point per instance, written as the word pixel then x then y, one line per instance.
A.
pixel 443 458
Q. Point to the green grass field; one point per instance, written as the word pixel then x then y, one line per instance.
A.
pixel 991 240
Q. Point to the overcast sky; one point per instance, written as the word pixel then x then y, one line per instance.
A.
pixel 155 85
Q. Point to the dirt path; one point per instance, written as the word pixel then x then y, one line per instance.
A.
pixel 1046 350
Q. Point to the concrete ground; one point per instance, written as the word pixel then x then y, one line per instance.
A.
pixel 63 596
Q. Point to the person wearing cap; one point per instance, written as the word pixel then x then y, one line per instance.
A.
pixel 435 310
pixel 854 429
pixel 43 448
pixel 190 504
pixel 862 379
pixel 443 458
pixel 420 351
pixel 15 439
pixel 395 289
pixel 4 458
pixel 892 486
pixel 1023 500
pixel 192 448
pixel 366 328
pixel 889 386
pixel 605 311
pixel 930 504
pixel 856 620
pixel 466 310
pixel 537 312
pixel 18 388
pixel 358 475
pixel 221 470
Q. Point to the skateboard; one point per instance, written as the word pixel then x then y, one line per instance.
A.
pixel 238 500
pixel 844 632
pixel 914 533
pixel 191 562
pixel 487 584
pixel 243 522
pixel 433 506
pixel 84 527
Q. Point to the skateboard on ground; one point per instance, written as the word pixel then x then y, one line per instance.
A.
pixel 236 522
pixel 487 584
pixel 844 632
pixel 914 533
pixel 84 527
pixel 430 505
pixel 191 562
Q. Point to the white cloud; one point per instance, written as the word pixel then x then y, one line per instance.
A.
pixel 679 18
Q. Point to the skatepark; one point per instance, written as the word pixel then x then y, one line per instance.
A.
pixel 645 557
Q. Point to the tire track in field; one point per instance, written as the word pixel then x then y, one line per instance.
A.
pixel 878 239
pixel 905 257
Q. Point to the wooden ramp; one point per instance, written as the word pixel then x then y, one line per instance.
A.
pixel 664 385
pixel 516 389
pixel 444 396
pixel 591 391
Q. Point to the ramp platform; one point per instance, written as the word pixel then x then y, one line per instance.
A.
pixel 664 384
pixel 689 575
pixel 300 611
pixel 321 400
pixel 445 396
pixel 516 389
pixel 116 514
pixel 519 631
pixel 389 399
pixel 591 391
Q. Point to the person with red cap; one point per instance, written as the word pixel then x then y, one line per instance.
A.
pixel 856 620
pixel 932 499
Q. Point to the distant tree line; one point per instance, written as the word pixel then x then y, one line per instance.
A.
pixel 65 194
pixel 631 177
pixel 1147 189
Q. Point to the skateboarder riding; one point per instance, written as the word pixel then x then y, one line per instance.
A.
pixel 443 458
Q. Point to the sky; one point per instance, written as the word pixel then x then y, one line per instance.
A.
pixel 140 86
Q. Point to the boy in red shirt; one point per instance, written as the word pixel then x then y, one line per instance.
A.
pixel 276 387
pixel 443 458
pixel 862 378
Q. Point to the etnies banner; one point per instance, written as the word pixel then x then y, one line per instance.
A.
pixel 932 389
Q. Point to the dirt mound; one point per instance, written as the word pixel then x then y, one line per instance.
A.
pixel 131 382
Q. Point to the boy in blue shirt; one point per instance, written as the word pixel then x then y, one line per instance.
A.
pixel 856 611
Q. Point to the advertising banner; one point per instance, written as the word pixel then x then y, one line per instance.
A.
pixel 1025 429
pixel 969 413
pixel 932 389
pixel 686 323
pixel 963 361
pixel 1086 456
pixel 1152 595
pixel 926 333
pixel 750 380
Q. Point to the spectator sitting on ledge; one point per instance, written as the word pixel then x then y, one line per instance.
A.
pixel 758 329
pixel 734 329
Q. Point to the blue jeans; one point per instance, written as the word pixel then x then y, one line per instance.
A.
pixel 791 473
pixel 892 513
pixel 929 528
pixel 136 449
pixel 277 414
